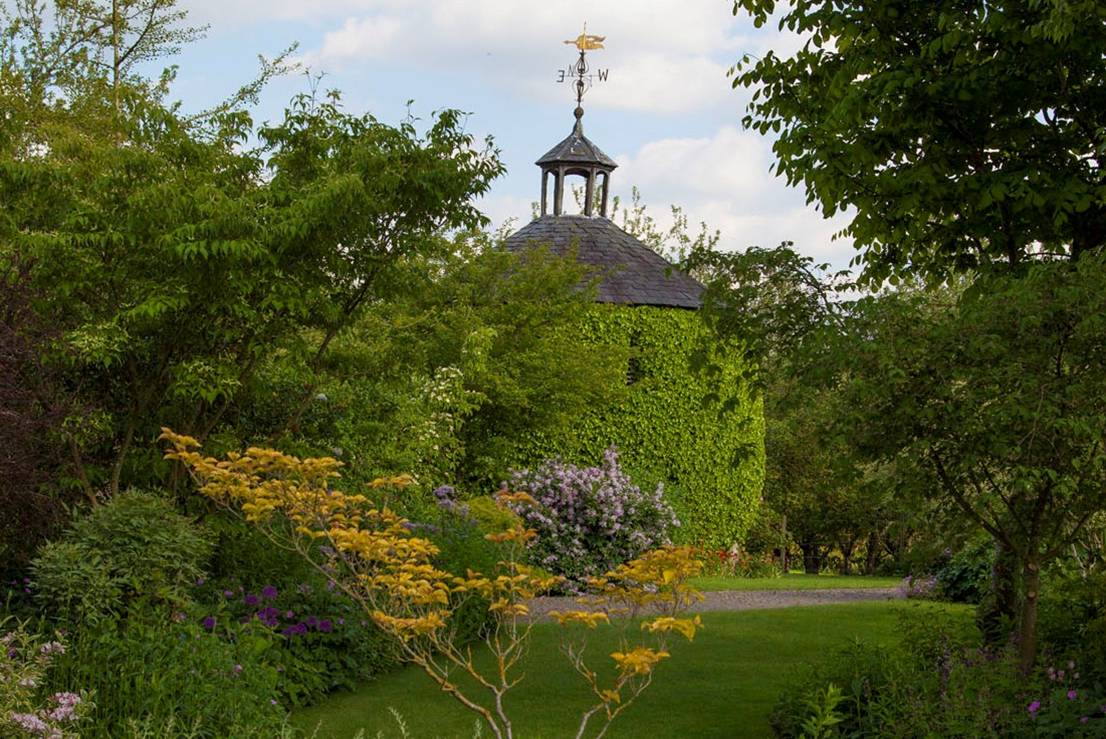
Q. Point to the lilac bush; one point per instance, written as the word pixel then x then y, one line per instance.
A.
pixel 590 519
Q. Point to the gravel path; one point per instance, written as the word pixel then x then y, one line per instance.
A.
pixel 747 600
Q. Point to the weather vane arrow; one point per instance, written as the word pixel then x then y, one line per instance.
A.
pixel 579 72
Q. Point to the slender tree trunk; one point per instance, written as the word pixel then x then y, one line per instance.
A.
pixel 871 558
pixel 812 560
pixel 1027 621
pixel 115 63
pixel 847 550
pixel 999 609
pixel 784 564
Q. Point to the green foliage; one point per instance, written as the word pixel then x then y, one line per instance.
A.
pixel 937 684
pixel 173 676
pixel 173 258
pixel 25 711
pixel 1073 621
pixel 965 577
pixel 490 518
pixel 962 134
pixel 1001 400
pixel 672 427
pixel 134 547
pixel 469 352
pixel 824 717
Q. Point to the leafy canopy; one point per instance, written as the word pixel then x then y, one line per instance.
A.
pixel 963 133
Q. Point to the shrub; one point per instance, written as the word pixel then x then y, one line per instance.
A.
pixel 24 661
pixel 320 640
pixel 176 676
pixel 922 587
pixel 134 547
pixel 590 519
pixel 739 564
pixel 1073 621
pixel 938 683
pixel 964 577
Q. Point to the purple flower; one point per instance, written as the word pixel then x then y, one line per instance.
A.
pixel 238 669
pixel 228 593
pixel 325 626
pixel 1034 707
pixel 251 600
pixel 208 622
pixel 446 496
pixel 1072 695
pixel 1084 719
pixel 289 615
pixel 268 592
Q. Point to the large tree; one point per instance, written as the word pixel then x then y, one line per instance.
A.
pixel 963 134
pixel 173 253
pixel 1001 400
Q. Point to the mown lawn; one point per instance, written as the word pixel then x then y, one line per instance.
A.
pixel 721 685
pixel 794 581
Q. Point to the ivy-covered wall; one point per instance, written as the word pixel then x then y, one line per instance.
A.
pixel 712 465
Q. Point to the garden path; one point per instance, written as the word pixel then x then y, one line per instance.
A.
pixel 746 600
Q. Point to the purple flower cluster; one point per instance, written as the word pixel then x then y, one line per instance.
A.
pixel 271 616
pixel 590 519
pixel 45 723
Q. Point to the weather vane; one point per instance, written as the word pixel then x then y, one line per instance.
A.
pixel 579 71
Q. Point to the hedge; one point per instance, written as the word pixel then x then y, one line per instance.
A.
pixel 711 463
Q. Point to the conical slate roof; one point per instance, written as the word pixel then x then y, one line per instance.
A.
pixel 577 149
pixel 633 274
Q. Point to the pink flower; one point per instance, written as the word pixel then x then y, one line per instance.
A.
pixel 1034 707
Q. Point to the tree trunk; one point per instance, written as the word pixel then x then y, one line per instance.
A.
pixel 812 560
pixel 871 559
pixel 784 564
pixel 847 550
pixel 999 609
pixel 1027 621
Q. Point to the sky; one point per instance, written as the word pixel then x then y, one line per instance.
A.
pixel 667 113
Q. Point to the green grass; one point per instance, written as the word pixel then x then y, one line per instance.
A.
pixel 794 582
pixel 721 685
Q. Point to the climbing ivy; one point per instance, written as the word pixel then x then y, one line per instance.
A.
pixel 666 429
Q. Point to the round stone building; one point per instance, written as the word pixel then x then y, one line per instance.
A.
pixel 711 462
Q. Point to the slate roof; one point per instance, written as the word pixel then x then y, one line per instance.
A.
pixel 577 149
pixel 634 274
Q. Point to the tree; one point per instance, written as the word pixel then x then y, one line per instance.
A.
pixel 964 134
pixel 32 410
pixel 172 257
pixel 1001 397
pixel 459 358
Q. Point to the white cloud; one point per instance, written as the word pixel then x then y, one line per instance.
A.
pixel 724 181
pixel 373 37
pixel 663 55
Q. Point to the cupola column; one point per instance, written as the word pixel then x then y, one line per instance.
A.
pixel 589 193
pixel 559 191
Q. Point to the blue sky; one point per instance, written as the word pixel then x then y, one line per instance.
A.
pixel 667 114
